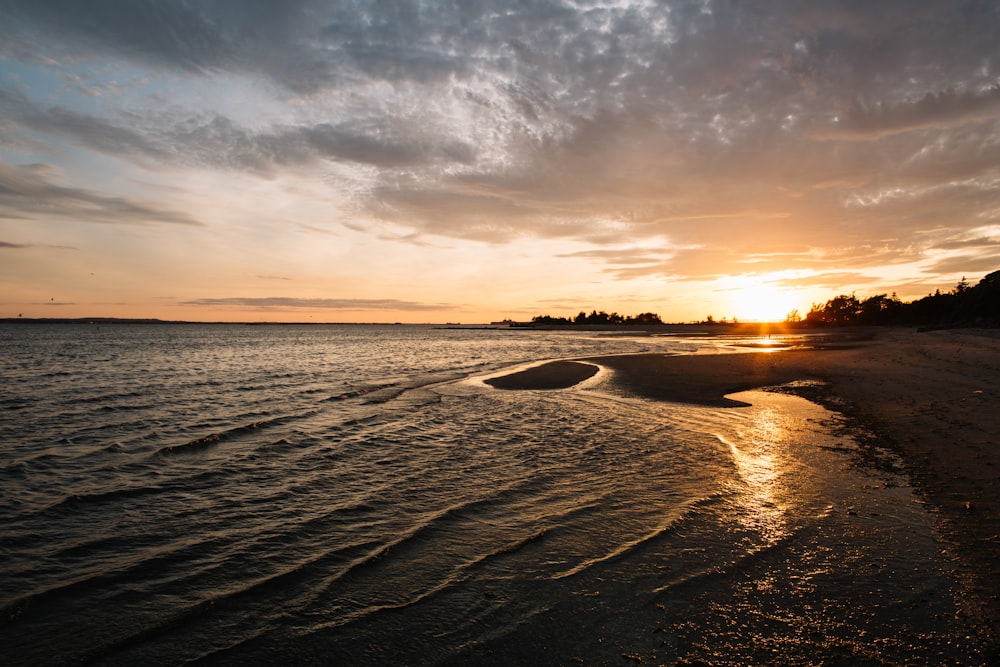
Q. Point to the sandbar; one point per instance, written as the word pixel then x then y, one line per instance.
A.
pixel 552 375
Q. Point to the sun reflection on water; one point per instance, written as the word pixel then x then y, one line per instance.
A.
pixel 760 467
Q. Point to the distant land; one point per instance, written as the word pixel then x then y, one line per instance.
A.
pixel 964 306
pixel 88 320
pixel 153 320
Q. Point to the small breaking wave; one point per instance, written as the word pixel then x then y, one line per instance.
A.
pixel 200 444
pixel 360 392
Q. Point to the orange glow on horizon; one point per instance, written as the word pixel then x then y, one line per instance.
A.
pixel 756 300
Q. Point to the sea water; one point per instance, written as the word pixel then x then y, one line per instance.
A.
pixel 240 494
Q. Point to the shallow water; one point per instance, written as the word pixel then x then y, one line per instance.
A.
pixel 357 495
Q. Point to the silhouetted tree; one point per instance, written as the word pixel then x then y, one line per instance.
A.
pixel 644 318
pixel 978 305
pixel 549 320
pixel 965 305
pixel 598 317
pixel 880 309
pixel 841 309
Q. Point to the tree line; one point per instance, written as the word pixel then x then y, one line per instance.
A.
pixel 598 317
pixel 965 305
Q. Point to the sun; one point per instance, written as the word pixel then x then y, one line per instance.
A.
pixel 755 300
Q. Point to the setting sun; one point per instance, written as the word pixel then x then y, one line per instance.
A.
pixel 755 300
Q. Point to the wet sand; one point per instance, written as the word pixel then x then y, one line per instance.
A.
pixel 931 397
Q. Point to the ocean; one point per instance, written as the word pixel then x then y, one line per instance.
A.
pixel 356 495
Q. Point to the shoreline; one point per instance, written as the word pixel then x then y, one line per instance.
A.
pixel 930 397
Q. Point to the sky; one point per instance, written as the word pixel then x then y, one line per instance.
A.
pixel 471 161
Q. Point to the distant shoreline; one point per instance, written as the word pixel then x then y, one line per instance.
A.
pixel 139 320
pixel 686 328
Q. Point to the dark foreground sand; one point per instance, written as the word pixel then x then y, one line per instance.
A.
pixel 932 397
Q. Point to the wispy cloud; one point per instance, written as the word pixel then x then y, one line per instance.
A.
pixel 24 246
pixel 985 262
pixel 935 110
pixel 28 192
pixel 292 303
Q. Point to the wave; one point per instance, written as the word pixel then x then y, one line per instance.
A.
pixel 511 547
pixel 112 397
pixel 723 571
pixel 113 495
pixel 15 403
pixel 214 439
pixel 171 623
pixel 359 392
pixel 247 620
pixel 376 554
pixel 77 500
pixel 688 513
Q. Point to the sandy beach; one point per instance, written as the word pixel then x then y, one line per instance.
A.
pixel 931 397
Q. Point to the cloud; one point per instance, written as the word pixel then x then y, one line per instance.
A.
pixel 935 110
pixel 745 134
pixel 985 262
pixel 299 44
pixel 828 280
pixel 23 246
pixel 99 134
pixel 168 33
pixel 981 242
pixel 292 303
pixel 623 256
pixel 29 192
pixel 213 140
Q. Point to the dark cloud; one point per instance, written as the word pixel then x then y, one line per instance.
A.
pixel 216 141
pixel 219 142
pixel 100 134
pixel 28 193
pixel 983 263
pixel 7 244
pixel 301 44
pixel 935 110
pixel 174 34
pixel 981 242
